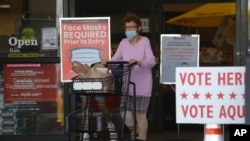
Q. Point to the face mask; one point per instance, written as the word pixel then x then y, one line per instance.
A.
pixel 130 34
pixel 86 55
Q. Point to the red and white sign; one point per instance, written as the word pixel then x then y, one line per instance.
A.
pixel 30 82
pixel 86 40
pixel 210 95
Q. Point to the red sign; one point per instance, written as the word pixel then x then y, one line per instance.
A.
pixel 30 82
pixel 86 40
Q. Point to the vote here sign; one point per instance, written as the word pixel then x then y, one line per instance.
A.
pixel 210 95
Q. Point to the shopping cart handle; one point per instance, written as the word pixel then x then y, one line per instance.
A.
pixel 118 62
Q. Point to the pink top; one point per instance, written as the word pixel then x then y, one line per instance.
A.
pixel 140 75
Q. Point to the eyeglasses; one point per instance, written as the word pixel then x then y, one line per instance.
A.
pixel 130 27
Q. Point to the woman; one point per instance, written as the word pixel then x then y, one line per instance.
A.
pixel 136 48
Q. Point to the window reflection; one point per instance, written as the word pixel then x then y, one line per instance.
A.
pixel 31 101
pixel 24 26
pixel 25 111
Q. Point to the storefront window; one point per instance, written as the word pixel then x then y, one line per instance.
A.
pixel 31 98
pixel 30 30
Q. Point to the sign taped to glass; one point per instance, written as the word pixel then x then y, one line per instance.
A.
pixel 85 40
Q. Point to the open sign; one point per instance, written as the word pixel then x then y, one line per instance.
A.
pixel 13 41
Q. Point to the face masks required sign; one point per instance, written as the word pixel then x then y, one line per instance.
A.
pixel 85 40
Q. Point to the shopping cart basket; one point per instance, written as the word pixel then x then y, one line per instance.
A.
pixel 89 119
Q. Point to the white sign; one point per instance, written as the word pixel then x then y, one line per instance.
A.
pixel 210 95
pixel 49 38
pixel 177 51
pixel 145 25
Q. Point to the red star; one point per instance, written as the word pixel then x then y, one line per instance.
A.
pixel 183 95
pixel 208 95
pixel 196 95
pixel 220 95
pixel 233 95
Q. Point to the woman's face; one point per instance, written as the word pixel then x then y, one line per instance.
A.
pixel 130 26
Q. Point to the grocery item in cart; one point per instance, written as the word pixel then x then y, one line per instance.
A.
pixel 83 70
pixel 92 74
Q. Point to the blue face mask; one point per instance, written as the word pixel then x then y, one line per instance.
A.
pixel 130 34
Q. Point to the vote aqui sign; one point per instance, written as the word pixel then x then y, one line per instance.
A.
pixel 210 95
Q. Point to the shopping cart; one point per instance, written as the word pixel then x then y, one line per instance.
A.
pixel 89 120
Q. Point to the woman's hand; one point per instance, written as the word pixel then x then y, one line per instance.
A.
pixel 134 61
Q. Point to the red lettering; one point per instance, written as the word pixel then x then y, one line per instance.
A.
pixel 183 78
pixel 210 111
pixel 203 111
pixel 184 110
pixel 195 78
pixel 232 111
pixel 239 78
pixel 231 78
pixel 221 79
pixel 191 79
pixel 208 78
pixel 193 111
